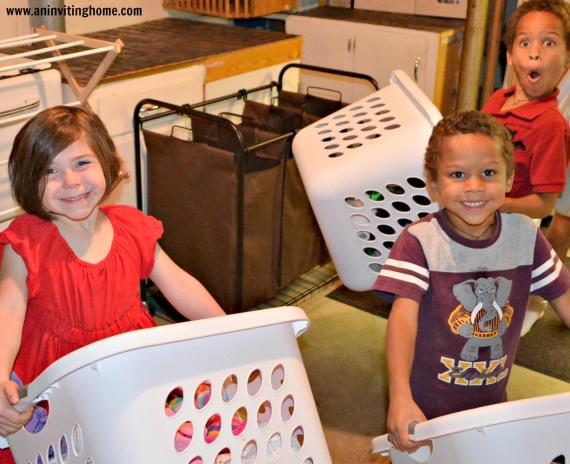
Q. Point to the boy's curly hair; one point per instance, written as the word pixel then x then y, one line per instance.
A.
pixel 467 122
pixel 559 8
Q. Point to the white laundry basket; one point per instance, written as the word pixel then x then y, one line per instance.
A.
pixel 531 431
pixel 107 400
pixel 362 168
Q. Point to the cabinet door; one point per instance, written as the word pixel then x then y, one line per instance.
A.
pixel 326 43
pixel 379 50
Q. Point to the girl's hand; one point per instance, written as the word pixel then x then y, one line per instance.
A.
pixel 401 413
pixel 11 420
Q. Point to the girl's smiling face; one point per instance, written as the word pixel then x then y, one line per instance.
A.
pixel 539 54
pixel 471 182
pixel 75 183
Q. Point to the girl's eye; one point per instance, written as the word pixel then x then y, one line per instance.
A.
pixel 50 171
pixel 524 43
pixel 82 163
pixel 549 43
pixel 457 175
pixel 489 172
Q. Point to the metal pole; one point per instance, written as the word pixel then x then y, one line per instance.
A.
pixel 53 19
pixel 472 57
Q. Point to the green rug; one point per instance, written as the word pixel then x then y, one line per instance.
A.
pixel 544 349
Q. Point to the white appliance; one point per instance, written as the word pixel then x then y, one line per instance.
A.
pixel 21 96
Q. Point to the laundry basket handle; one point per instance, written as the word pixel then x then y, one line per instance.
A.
pixel 338 72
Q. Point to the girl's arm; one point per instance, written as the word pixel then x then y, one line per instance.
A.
pixel 13 302
pixel 401 340
pixel 182 290
pixel 536 205
pixel 562 307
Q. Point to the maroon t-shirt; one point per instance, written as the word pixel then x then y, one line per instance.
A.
pixel 473 296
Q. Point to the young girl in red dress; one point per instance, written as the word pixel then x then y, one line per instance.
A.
pixel 71 268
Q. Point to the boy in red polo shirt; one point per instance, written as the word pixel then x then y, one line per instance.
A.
pixel 537 37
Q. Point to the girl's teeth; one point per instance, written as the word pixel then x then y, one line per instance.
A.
pixel 473 203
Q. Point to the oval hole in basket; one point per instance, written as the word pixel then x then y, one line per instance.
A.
pixel 287 408
pixel 363 121
pixel 63 448
pixel 297 439
pixel 278 377
pixel 375 267
pixel 355 108
pixel 372 252
pixel 360 220
pixel 323 124
pixel 336 154
pixel 224 457
pixel 374 195
pixel 387 119
pixel 323 132
pixel 378 105
pixel 183 436
pixel 339 116
pixel 345 130
pixel 51 459
pixel 77 440
pixel 372 99
pixel 350 137
pixel 308 461
pixel 373 136
pixel 174 401
pixel 401 206
pixel 328 139
pixel 365 235
pixel 341 123
pixel 421 200
pixel 264 414
pixel 90 460
pixel 381 213
pixel 254 382
pixel 41 414
pixel 354 202
pixel 416 182
pixel 388 244
pixel 202 394
pixel 404 222
pixel 423 214
pixel 212 428
pixel 381 112
pixel 274 447
pixel 368 128
pixel 39 459
pixel 392 126
pixel 395 189
pixel 386 229
pixel 331 146
pixel 229 388
pixel 249 453
pixel 196 460
pixel 239 421
pixel 354 145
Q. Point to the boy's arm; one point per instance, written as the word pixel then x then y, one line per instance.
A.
pixel 184 292
pixel 562 307
pixel 401 340
pixel 536 205
pixel 13 303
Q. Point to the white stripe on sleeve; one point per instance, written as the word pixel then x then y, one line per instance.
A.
pixel 549 278
pixel 407 265
pixel 404 278
pixel 544 266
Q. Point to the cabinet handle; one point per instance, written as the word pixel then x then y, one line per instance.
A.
pixel 354 44
pixel 34 104
pixel 349 45
pixel 417 64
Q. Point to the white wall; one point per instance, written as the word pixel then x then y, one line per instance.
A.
pixel 12 26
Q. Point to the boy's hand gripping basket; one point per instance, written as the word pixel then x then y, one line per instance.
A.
pixel 362 168
pixel 229 389
pixel 529 431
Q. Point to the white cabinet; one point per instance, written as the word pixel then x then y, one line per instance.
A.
pixel 431 56
pixel 115 102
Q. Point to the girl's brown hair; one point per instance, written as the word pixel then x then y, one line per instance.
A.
pixel 42 138
pixel 559 8
pixel 467 122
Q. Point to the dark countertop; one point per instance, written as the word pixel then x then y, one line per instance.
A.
pixel 171 43
pixel 425 23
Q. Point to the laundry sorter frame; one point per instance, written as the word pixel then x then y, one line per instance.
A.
pixel 242 152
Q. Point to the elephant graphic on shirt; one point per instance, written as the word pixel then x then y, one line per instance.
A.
pixel 483 315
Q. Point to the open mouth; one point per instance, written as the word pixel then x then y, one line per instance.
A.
pixel 534 76
pixel 473 204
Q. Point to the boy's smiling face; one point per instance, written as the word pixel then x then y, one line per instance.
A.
pixel 539 55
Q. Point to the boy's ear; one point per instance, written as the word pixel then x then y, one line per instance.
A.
pixel 509 185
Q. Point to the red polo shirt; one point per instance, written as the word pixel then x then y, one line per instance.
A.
pixel 541 137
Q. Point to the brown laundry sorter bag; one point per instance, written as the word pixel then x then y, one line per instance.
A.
pixel 195 187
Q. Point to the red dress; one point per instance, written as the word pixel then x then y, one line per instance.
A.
pixel 72 303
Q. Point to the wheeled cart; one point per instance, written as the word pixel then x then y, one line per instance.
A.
pixel 229 194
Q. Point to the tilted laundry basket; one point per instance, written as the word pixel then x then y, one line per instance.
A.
pixel 362 168
pixel 240 387
pixel 530 431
